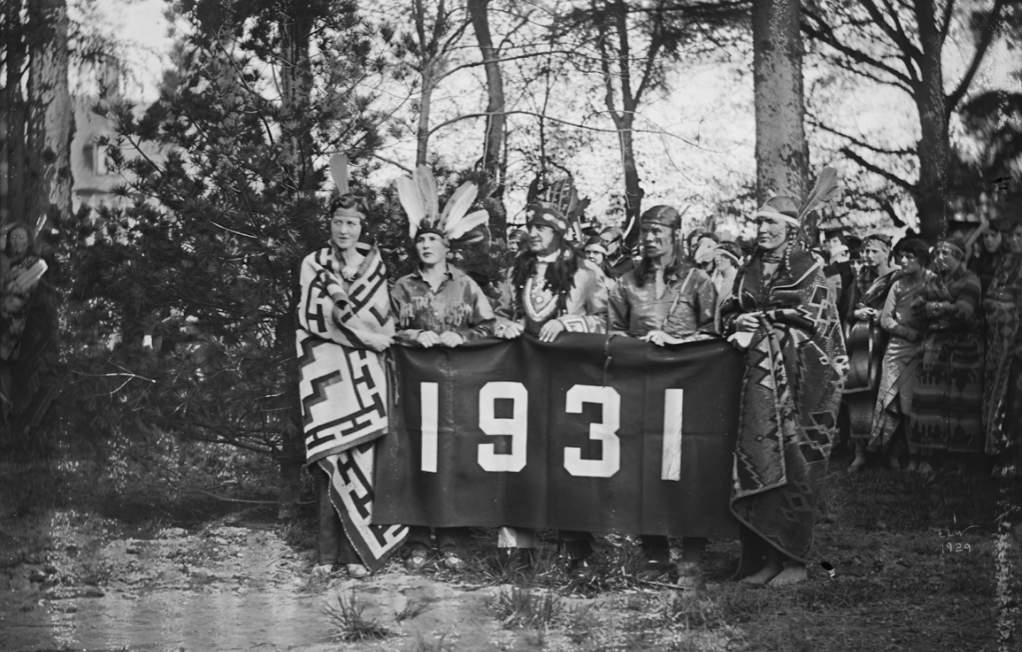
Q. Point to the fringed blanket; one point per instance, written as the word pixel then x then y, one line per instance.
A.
pixel 343 387
pixel 947 388
pixel 795 368
pixel 1002 307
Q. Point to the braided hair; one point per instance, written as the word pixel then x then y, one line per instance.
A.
pixel 559 276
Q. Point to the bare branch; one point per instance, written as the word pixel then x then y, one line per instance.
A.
pixel 985 38
pixel 824 33
pixel 876 169
pixel 945 21
pixel 859 142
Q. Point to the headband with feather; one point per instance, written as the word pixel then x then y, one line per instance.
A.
pixel 420 200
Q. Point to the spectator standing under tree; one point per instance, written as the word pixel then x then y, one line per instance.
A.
pixel 20 271
pixel 1002 390
pixel 783 316
pixel 948 387
pixel 904 327
pixel 439 305
pixel 666 299
pixel 872 284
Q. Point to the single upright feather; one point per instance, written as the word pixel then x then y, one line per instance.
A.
pixel 427 188
pixel 339 172
pixel 825 187
pixel 411 200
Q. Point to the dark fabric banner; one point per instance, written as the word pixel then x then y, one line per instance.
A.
pixel 584 434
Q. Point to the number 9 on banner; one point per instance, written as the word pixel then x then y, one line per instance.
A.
pixel 516 426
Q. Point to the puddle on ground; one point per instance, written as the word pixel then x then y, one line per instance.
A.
pixel 175 619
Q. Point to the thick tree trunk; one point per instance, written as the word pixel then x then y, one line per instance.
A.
pixel 933 147
pixel 51 120
pixel 296 89
pixel 781 152
pixel 493 140
pixel 14 117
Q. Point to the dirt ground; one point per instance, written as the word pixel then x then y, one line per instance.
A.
pixel 902 564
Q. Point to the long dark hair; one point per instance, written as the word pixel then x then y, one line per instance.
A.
pixel 560 274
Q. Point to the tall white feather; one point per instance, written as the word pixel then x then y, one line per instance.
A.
pixel 339 172
pixel 467 223
pixel 411 200
pixel 427 188
pixel 457 206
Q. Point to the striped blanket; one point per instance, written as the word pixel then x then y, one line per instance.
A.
pixel 343 388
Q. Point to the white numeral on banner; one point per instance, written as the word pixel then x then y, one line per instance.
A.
pixel 516 426
pixel 604 432
pixel 670 461
pixel 430 398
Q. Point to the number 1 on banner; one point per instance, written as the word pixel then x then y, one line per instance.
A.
pixel 670 454
pixel 429 394
pixel 516 426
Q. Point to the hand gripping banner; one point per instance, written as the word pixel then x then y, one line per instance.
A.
pixel 584 434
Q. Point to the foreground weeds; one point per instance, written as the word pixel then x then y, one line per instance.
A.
pixel 351 623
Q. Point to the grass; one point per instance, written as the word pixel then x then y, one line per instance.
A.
pixel 522 608
pixel 350 622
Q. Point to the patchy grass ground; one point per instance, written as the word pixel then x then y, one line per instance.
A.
pixel 912 568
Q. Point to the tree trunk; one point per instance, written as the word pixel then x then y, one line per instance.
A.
pixel 781 152
pixel 933 147
pixel 12 166
pixel 633 191
pixel 51 120
pixel 296 86
pixel 422 129
pixel 296 90
pixel 493 140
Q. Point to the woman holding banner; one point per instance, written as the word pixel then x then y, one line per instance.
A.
pixel 439 305
pixel 783 315
pixel 344 325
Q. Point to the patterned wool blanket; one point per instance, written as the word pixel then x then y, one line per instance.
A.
pixel 343 387
pixel 795 368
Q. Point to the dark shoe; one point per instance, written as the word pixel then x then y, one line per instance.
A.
pixel 653 570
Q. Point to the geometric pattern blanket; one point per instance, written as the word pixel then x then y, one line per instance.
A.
pixel 343 386
pixel 795 369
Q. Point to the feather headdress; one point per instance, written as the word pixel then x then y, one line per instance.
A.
pixel 555 202
pixel 418 196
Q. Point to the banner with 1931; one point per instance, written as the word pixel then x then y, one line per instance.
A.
pixel 587 433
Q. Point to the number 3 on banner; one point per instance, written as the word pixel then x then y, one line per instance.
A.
pixel 516 426
pixel 604 432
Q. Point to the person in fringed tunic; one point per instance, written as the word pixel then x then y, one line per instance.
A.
pixel 344 326
pixel 948 384
pixel 666 299
pixel 872 285
pixel 549 290
pixel 1002 391
pixel 439 305
pixel 904 328
pixel 784 315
